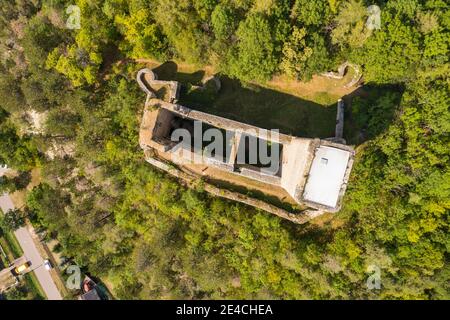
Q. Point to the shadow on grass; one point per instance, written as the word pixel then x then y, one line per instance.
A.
pixel 255 105
pixel 369 109
pixel 169 71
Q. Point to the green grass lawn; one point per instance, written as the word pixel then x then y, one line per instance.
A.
pixel 13 245
pixel 4 261
pixel 266 108
pixel 8 251
pixel 256 105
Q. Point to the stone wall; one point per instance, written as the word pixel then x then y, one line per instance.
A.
pixel 339 134
pixel 310 156
pixel 341 72
pixel 219 164
pixel 260 176
pixel 146 77
pixel 224 123
pixel 190 180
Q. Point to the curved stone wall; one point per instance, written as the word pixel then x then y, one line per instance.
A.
pixel 341 72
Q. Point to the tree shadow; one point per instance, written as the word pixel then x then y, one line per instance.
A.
pixel 166 71
pixel 110 55
pixel 265 108
pixel 169 71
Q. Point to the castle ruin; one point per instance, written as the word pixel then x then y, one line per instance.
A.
pixel 311 173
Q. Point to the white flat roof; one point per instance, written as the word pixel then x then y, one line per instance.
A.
pixel 326 176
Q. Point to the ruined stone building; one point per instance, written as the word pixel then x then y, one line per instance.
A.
pixel 310 173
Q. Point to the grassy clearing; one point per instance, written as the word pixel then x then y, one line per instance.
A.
pixel 319 89
pixel 4 261
pixel 14 246
pixel 267 108
pixel 256 105
pixel 325 98
pixel 304 109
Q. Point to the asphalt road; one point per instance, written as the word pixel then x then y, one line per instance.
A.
pixel 31 253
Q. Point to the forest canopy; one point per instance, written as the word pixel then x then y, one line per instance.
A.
pixel 149 237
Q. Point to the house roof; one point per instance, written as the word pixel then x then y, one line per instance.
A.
pixel 90 295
